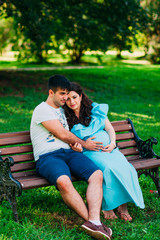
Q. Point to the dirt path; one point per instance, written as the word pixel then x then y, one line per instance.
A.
pixel 50 68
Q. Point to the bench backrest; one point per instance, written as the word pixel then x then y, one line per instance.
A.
pixel 18 145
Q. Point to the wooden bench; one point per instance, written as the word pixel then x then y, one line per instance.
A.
pixel 18 168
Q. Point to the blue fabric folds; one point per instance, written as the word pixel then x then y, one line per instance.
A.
pixel 120 180
pixel 99 115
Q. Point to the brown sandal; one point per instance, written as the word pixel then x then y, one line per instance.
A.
pixel 125 216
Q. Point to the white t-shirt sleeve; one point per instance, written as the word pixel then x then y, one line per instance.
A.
pixel 44 113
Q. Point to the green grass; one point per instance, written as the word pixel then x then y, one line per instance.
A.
pixel 131 91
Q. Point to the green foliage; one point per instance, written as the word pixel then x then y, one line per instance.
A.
pixel 127 18
pixel 34 21
pixel 74 25
pixel 7 33
pixel 152 32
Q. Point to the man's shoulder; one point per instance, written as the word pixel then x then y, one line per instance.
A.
pixel 41 107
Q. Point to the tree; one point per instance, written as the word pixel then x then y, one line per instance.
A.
pixel 152 32
pixel 6 33
pixel 81 27
pixel 95 25
pixel 130 19
pixel 32 19
pixel 77 24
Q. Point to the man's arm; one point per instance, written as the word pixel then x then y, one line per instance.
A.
pixel 55 127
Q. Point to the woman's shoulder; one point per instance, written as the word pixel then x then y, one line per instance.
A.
pixel 99 108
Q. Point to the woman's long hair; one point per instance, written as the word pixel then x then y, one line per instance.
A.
pixel 85 110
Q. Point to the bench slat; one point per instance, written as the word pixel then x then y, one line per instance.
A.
pixel 122 128
pixel 24 174
pixel 33 183
pixel 23 166
pixel 146 163
pixel 13 134
pixel 114 123
pixel 130 151
pixel 15 140
pixel 16 150
pixel 135 157
pixel 126 144
pixel 23 157
pixel 124 136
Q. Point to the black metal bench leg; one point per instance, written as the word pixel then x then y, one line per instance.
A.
pixel 9 187
pixel 11 197
pixel 156 181
pixel 154 174
pixel 14 206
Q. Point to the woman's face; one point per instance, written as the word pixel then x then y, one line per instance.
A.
pixel 74 101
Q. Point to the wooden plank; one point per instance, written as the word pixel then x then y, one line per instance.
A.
pixel 24 175
pixel 126 144
pixel 13 134
pixel 16 150
pixel 114 123
pixel 124 136
pixel 146 163
pixel 135 157
pixel 15 140
pixel 130 151
pixel 36 183
pixel 23 166
pixel 23 157
pixel 123 128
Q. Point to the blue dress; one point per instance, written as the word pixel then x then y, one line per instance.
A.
pixel 120 180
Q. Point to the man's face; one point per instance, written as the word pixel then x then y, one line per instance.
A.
pixel 60 97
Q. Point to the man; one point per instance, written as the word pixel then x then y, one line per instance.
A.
pixel 58 155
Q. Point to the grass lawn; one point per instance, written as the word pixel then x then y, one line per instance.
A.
pixel 131 91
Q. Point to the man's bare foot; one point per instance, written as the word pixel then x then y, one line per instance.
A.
pixel 123 213
pixel 110 215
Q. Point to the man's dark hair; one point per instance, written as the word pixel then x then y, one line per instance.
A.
pixel 58 81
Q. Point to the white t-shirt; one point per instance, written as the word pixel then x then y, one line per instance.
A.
pixel 44 141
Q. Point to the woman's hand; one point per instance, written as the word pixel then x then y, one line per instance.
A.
pixel 93 145
pixel 76 147
pixel 109 148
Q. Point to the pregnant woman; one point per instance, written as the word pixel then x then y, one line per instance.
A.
pixel 120 185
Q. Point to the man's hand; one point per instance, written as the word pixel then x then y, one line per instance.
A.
pixel 109 148
pixel 76 147
pixel 93 145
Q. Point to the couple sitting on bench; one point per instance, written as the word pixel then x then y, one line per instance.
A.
pixel 63 126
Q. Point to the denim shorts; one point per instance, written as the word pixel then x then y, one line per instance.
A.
pixel 52 165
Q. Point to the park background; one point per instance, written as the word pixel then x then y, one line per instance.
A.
pixel 112 48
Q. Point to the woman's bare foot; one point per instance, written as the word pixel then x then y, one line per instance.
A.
pixel 110 215
pixel 123 213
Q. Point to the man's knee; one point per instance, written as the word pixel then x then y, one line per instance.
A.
pixel 63 183
pixel 96 176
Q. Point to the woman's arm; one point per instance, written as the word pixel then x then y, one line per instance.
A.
pixel 112 136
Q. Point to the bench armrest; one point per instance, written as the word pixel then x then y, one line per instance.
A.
pixel 145 147
pixel 7 181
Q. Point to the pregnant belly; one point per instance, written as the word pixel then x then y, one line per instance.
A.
pixel 101 136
